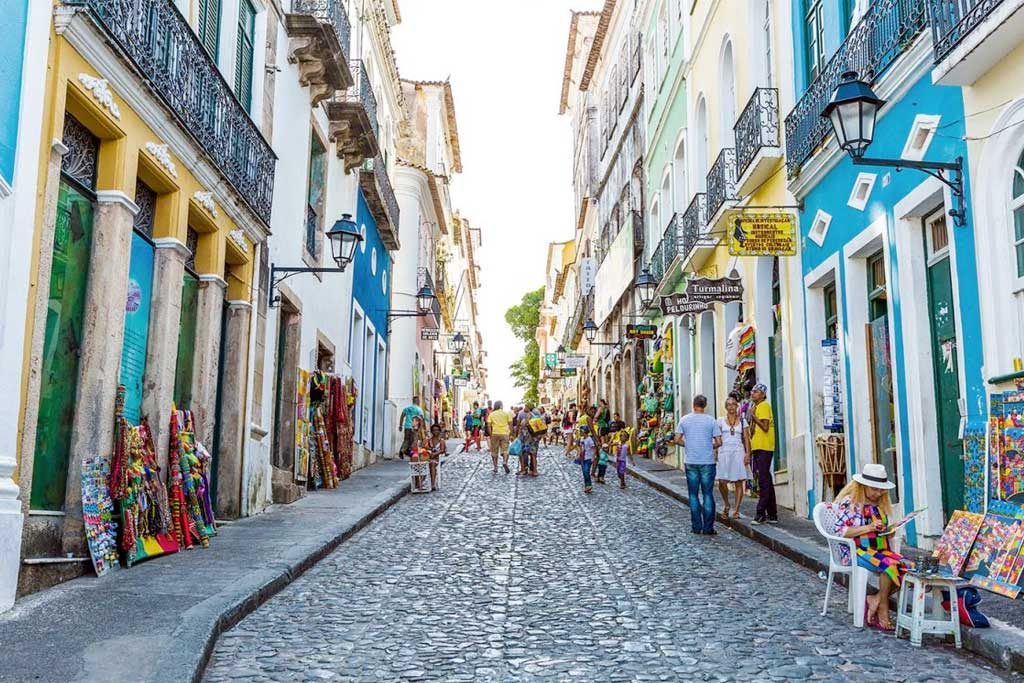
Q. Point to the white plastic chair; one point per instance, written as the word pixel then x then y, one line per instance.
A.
pixel 825 521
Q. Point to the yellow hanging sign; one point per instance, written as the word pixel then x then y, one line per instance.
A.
pixel 763 234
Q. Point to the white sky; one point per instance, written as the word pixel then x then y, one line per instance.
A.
pixel 505 63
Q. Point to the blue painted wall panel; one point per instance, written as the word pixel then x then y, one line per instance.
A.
pixel 12 51
pixel 368 282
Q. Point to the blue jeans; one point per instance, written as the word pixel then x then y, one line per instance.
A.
pixel 700 480
pixel 586 464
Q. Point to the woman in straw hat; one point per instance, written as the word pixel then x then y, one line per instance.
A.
pixel 862 514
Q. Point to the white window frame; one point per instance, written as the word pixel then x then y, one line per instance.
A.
pixel 818 236
pixel 927 123
pixel 1016 205
pixel 863 179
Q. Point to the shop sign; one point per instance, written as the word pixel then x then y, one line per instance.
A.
pixel 763 234
pixel 641 331
pixel 550 359
pixel 460 381
pixel 679 304
pixel 708 290
pixel 429 334
pixel 588 274
pixel 569 372
pixel 575 360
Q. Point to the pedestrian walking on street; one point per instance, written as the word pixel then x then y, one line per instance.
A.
pixel 531 429
pixel 588 453
pixel 473 424
pixel 700 435
pixel 405 424
pixel 602 464
pixel 762 450
pixel 500 423
pixel 733 455
pixel 604 418
pixel 569 428
pixel 621 454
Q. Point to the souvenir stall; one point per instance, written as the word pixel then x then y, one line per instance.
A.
pixel 657 397
pixel 985 542
pixel 189 482
pixel 323 429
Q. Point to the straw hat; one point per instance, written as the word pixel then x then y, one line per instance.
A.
pixel 875 476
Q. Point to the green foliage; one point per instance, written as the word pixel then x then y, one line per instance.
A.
pixel 523 319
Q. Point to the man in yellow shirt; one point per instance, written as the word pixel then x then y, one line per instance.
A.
pixel 762 450
pixel 500 422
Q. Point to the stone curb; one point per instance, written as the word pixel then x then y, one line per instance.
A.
pixel 211 620
pixel 993 644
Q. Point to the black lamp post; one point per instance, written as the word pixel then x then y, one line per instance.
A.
pixel 342 237
pixel 853 111
pixel 424 300
pixel 645 284
pixel 560 353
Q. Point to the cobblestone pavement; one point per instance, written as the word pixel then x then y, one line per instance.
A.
pixel 501 578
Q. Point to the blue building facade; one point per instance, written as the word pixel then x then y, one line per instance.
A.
pixel 12 51
pixel 890 283
pixel 368 331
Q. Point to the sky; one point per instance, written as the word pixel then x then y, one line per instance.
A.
pixel 504 60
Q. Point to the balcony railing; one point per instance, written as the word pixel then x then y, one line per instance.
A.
pixel 353 117
pixel 583 311
pixel 722 181
pixel 330 13
pixel 757 127
pixel 693 224
pixel 667 249
pixel 160 44
pixel 953 20
pixel 380 197
pixel 887 29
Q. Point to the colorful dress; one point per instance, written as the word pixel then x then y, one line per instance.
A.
pixel 873 551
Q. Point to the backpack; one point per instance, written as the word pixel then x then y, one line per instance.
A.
pixel 537 425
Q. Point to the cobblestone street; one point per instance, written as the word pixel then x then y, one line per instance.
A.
pixel 502 578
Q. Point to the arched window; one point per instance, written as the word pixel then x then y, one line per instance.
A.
pixel 728 108
pixel 654 228
pixel 701 159
pixel 1018 215
pixel 679 176
pixel 666 197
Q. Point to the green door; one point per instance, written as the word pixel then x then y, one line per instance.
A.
pixel 777 378
pixel 947 383
pixel 72 244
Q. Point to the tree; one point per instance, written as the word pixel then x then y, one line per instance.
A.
pixel 523 319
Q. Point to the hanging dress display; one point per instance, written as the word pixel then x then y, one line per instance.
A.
pixel 191 506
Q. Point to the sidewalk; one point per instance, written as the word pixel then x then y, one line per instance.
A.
pixel 160 619
pixel 797 539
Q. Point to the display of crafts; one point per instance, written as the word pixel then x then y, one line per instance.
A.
pixel 138 488
pixel 98 515
pixel 191 505
pixel 323 429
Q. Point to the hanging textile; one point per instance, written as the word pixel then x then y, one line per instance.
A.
pixel 191 507
pixel 340 427
pixel 302 459
pixel 321 458
pixel 136 484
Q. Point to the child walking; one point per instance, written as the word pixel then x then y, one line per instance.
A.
pixel 602 464
pixel 621 453
pixel 588 449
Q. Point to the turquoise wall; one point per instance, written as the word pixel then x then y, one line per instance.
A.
pixel 12 50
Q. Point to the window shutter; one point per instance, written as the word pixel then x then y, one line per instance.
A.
pixel 243 52
pixel 209 25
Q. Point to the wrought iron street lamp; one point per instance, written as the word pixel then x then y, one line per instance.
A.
pixel 560 353
pixel 645 284
pixel 590 332
pixel 342 237
pixel 424 301
pixel 853 111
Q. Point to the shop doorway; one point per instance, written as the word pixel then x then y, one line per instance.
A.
pixel 286 382
pixel 776 371
pixel 883 408
pixel 187 326
pixel 218 410
pixel 942 314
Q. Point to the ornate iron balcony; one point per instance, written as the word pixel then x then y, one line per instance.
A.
pixel 757 127
pixel 953 20
pixel 667 249
pixel 722 181
pixel 354 124
pixel 159 43
pixel 693 224
pixel 330 13
pixel 885 32
pixel 380 197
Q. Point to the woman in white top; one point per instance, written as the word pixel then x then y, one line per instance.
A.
pixel 733 455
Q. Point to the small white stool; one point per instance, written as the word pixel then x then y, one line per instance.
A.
pixel 419 470
pixel 910 617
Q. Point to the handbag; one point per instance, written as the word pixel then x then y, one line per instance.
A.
pixel 537 426
pixel 516 448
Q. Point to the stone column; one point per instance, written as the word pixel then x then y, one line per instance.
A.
pixel 230 448
pixel 162 352
pixel 100 352
pixel 207 364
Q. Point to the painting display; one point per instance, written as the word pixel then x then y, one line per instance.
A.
pixel 955 545
pixel 98 515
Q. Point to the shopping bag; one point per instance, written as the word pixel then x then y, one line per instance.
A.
pixel 516 448
pixel 537 426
